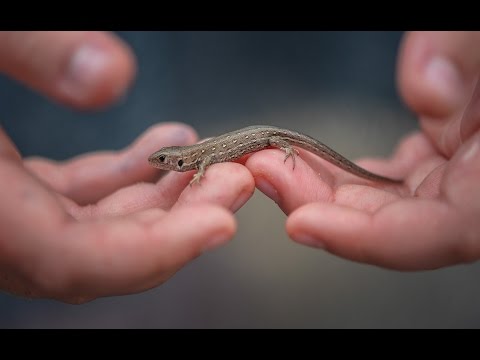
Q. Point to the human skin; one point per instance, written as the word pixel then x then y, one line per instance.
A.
pixel 104 223
pixel 432 220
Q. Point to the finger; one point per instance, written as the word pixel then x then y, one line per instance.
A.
pixel 122 255
pixel 228 185
pixel 288 187
pixel 437 71
pixel 460 185
pixel 91 177
pixel 26 210
pixel 80 68
pixel 8 150
pixel 408 235
pixel 414 160
pixel 471 116
pixel 410 151
pixel 312 182
pixel 22 192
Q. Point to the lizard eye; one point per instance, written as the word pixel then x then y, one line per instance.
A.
pixel 180 163
pixel 161 158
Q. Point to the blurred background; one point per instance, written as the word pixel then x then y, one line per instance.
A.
pixel 337 86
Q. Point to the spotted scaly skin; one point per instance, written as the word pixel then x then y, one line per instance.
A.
pixel 235 144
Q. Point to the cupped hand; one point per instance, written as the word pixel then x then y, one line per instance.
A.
pixel 431 220
pixel 104 223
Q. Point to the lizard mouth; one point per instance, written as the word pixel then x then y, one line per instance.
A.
pixel 156 160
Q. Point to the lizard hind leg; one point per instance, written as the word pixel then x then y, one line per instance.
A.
pixel 280 143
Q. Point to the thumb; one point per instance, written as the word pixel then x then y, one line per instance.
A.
pixel 82 69
pixel 437 71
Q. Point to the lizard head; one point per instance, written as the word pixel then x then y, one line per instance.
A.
pixel 168 158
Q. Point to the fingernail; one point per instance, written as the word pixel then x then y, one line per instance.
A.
pixel 216 241
pixel 265 187
pixel 308 240
pixel 181 136
pixel 240 201
pixel 446 78
pixel 86 65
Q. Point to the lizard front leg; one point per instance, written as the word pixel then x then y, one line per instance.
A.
pixel 202 167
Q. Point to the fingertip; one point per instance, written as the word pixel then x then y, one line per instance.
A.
pixel 227 227
pixel 229 185
pixel 304 227
pixel 133 253
pixel 167 134
pixel 298 229
pixel 266 187
pixel 83 69
pixel 206 227
pixel 99 71
pixel 340 230
pixel 430 75
pixel 424 81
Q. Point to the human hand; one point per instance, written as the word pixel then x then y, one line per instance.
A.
pixel 84 69
pixel 102 224
pixel 432 220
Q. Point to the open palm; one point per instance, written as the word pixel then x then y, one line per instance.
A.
pixel 433 219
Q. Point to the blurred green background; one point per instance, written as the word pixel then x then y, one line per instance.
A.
pixel 337 86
